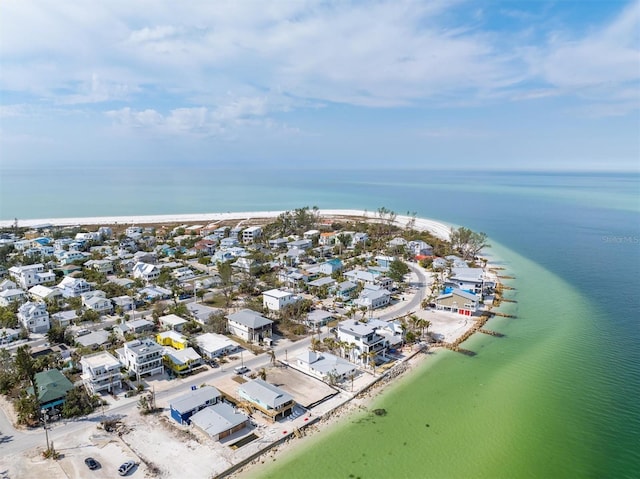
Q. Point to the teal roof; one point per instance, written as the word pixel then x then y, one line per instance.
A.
pixel 52 385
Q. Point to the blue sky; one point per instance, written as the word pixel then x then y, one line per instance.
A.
pixel 445 84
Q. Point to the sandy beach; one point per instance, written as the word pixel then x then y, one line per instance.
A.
pixel 437 228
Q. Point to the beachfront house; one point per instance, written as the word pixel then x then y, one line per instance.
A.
pixel 325 366
pixel 365 340
pixel 220 420
pixel 249 325
pixel 184 407
pixel 471 280
pixel 458 301
pixel 101 372
pixel 270 400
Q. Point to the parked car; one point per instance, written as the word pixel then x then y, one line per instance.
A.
pixel 91 463
pixel 241 370
pixel 124 469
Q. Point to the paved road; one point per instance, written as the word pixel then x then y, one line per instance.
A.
pixel 414 299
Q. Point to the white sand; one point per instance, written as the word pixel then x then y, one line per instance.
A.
pixel 439 229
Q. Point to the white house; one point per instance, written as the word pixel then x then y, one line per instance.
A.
pixel 103 266
pixel 214 345
pixel 72 287
pixel 145 271
pixel 172 321
pixel 9 296
pixel 31 275
pixel 6 284
pixel 101 372
pixel 364 338
pixel 142 357
pixel 249 325
pixel 34 317
pixel 97 301
pixel 251 234
pixel 44 293
pixel 373 299
pixel 468 279
pixel 325 366
pixel 184 273
pixel 276 299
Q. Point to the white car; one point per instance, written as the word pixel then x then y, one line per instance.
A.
pixel 124 469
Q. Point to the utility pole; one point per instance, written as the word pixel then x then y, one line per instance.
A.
pixel 46 431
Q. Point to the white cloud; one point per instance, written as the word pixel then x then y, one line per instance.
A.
pixel 595 66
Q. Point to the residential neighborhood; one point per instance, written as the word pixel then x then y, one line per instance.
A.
pixel 269 320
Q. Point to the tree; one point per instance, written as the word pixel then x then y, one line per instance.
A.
pixel 79 403
pixel 216 323
pixel 25 366
pixel 226 273
pixel 397 270
pixel 7 371
pixel 467 242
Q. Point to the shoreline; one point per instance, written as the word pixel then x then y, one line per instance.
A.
pixel 438 228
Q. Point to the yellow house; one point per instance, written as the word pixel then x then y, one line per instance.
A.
pixel 171 338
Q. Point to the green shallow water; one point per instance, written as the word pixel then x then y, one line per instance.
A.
pixel 516 409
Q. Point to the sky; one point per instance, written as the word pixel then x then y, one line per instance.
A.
pixel 531 85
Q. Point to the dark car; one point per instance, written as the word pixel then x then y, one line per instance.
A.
pixel 91 463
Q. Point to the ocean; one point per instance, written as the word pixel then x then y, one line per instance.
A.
pixel 556 397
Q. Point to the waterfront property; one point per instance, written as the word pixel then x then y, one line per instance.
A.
pixel 185 406
pixel 458 301
pixel 325 366
pixel 220 420
pixel 270 400
pixel 365 340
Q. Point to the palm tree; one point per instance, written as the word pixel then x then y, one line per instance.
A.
pixel 315 343
pixel 272 355
pixel 263 374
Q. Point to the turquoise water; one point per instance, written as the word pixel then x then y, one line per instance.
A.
pixel 556 397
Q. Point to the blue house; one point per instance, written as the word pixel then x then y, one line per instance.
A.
pixel 183 407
